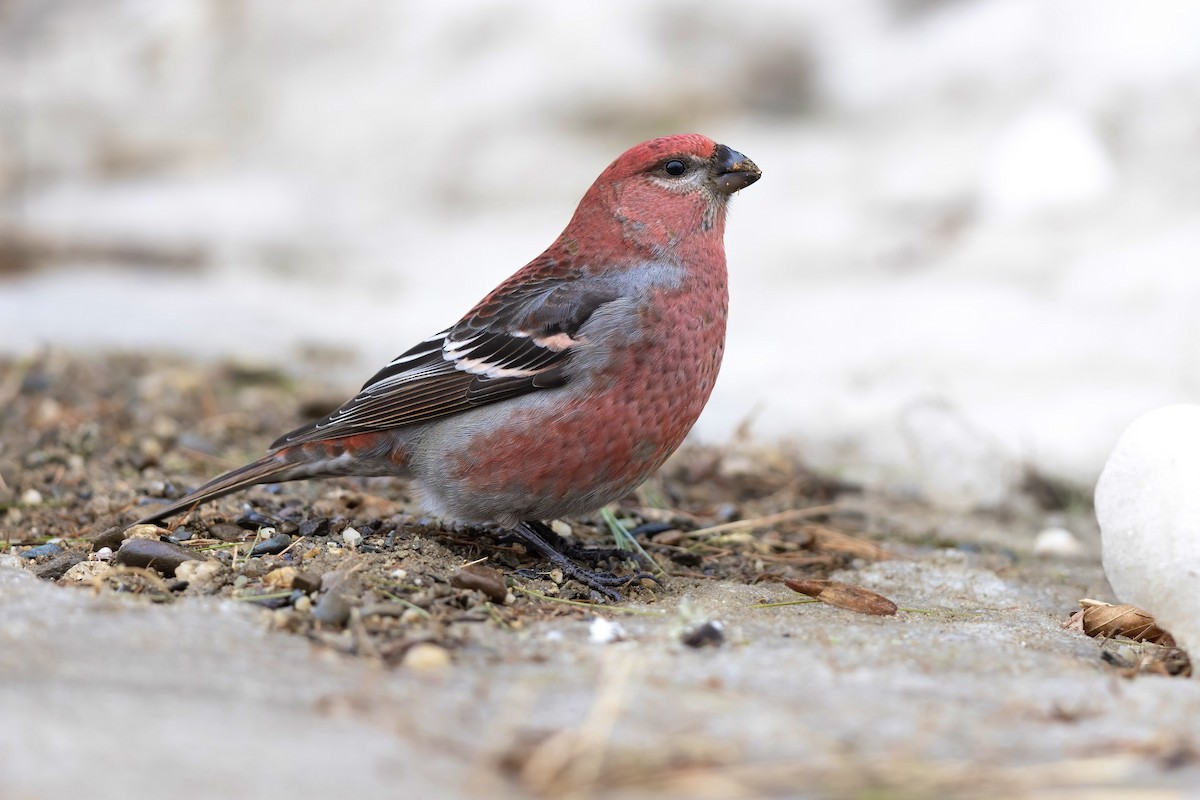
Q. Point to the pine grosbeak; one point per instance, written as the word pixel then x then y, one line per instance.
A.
pixel 569 384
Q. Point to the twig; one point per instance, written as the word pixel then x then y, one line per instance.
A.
pixel 761 522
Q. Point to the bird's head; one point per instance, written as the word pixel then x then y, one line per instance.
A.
pixel 666 189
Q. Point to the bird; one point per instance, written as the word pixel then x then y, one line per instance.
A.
pixel 567 385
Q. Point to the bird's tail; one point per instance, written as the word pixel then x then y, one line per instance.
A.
pixel 272 468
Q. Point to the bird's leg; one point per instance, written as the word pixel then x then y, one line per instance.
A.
pixel 575 552
pixel 539 536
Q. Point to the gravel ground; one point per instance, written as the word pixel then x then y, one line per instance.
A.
pixel 327 637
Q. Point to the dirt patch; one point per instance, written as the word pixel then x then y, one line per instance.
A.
pixel 718 676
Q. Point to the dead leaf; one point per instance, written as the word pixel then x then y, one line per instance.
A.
pixel 1107 620
pixel 843 595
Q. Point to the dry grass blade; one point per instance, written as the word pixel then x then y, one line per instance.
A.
pixel 760 522
pixel 826 538
pixel 843 595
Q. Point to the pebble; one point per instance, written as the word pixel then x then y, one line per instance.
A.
pixel 56 567
pixel 11 562
pixel 314 527
pixel 426 657
pixel 274 545
pixel 1148 507
pixel 110 538
pixel 282 578
pixel 1058 543
pixel 352 538
pixel 162 556
pixel 561 528
pixel 332 609
pixel 303 604
pixel 226 532
pixel 707 634
pixel 306 582
pixel 485 579
pixel 255 568
pixel 199 574
pixel 145 532
pixel 86 571
pixel 31 497
pixel 149 452
pixel 51 549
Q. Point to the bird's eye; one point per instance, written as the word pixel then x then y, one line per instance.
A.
pixel 675 167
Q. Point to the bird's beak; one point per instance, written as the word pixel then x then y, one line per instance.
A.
pixel 733 171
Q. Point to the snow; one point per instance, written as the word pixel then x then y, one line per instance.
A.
pixel 973 248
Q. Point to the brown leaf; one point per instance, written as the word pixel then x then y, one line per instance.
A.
pixel 843 595
pixel 1108 620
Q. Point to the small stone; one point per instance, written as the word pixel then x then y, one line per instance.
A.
pixel 482 578
pixel 100 505
pixel 226 532
pixel 109 539
pixel 87 571
pixel 303 605
pixel 153 553
pixel 103 554
pixel 352 538
pixel 146 532
pixel 56 567
pixel 332 609
pixel 306 582
pixel 560 527
pixel 255 568
pixel 200 575
pixel 31 497
pixel 282 578
pixel 706 634
pixel 42 551
pixel 240 582
pixel 426 657
pixel 314 527
pixel 272 546
pixel 412 616
pixel 1058 543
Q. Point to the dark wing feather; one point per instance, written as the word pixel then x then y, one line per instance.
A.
pixel 509 346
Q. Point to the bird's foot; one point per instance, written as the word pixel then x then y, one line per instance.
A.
pixel 575 552
pixel 543 540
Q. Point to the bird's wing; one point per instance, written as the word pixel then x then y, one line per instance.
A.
pixel 511 344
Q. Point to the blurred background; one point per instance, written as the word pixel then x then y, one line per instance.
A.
pixel 974 251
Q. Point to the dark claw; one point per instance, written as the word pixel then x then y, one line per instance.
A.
pixel 542 539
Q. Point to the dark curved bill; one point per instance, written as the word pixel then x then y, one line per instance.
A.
pixel 734 170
